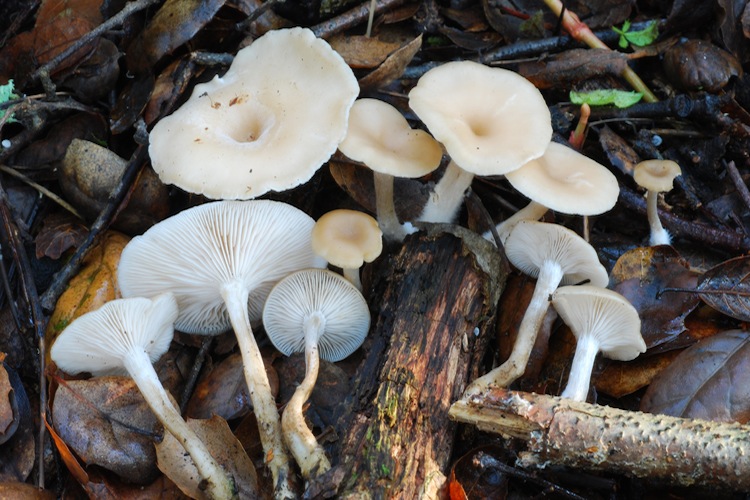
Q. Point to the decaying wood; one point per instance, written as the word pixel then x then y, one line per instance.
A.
pixel 441 297
pixel 560 431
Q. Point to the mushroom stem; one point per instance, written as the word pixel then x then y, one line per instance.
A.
pixel 352 275
pixel 445 200
pixel 580 371
pixel 550 275
pixel 659 235
pixel 532 211
pixel 235 295
pixel 139 367
pixel 386 209
pixel 307 451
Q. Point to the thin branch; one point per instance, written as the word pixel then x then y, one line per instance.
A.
pixel 351 18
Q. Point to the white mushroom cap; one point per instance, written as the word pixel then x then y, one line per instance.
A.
pixel 268 124
pixel 656 175
pixel 347 238
pixel 316 291
pixel 99 341
pixel 566 181
pixel 605 314
pixel 194 253
pixel 380 137
pixel 531 243
pixel 490 120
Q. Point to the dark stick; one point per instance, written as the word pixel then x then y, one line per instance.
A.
pixel 738 182
pixel 61 278
pixel 351 18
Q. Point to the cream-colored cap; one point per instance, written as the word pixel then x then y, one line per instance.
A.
pixel 656 175
pixel 347 238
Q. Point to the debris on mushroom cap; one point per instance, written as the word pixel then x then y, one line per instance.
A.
pixel 380 137
pixel 192 254
pixel 604 313
pixel 269 123
pixel 530 243
pixel 490 120
pixel 344 310
pixel 98 341
pixel 656 175
pixel 564 180
pixel 347 238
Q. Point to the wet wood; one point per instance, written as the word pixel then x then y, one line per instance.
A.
pixel 436 311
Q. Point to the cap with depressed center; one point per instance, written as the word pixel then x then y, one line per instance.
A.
pixel 656 176
pixel 490 120
pixel 268 124
pixel 602 321
pixel 127 336
pixel 380 137
pixel 320 313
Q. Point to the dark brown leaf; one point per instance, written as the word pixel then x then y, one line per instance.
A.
pixel 59 233
pixel 726 288
pixel 23 491
pixel 169 87
pixel 8 404
pixel 392 67
pixel 108 423
pixel 362 52
pixel 708 380
pixel 476 475
pixel 572 66
pixel 640 275
pixel 18 453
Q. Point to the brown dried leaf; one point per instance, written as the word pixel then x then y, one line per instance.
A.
pixel 131 102
pixel 106 421
pixel 572 66
pixel 621 378
pixel 59 233
pixel 726 288
pixel 708 380
pixel 392 67
pixel 619 153
pixel 223 446
pixel 640 275
pixel 23 491
pixel 360 51
pixel 18 453
pixel 8 405
pixel 169 87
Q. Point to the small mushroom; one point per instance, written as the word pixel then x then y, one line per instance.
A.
pixel 127 336
pixel 320 313
pixel 563 180
pixel 380 137
pixel 554 255
pixel 347 239
pixel 490 120
pixel 656 176
pixel 220 260
pixel 269 123
pixel 602 321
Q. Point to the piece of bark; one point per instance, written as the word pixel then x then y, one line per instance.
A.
pixel 560 431
pixel 439 304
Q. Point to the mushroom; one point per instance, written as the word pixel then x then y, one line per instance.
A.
pixel 215 258
pixel 320 313
pixel 563 180
pixel 127 336
pixel 602 321
pixel 380 137
pixel 656 176
pixel 269 123
pixel 490 120
pixel 553 254
pixel 347 239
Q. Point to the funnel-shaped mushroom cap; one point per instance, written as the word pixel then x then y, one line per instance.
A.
pixel 347 238
pixel 607 315
pixel 98 341
pixel 268 124
pixel 198 251
pixel 490 120
pixel 340 306
pixel 567 181
pixel 531 243
pixel 380 137
pixel 656 175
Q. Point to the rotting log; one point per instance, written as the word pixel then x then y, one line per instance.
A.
pixel 560 431
pixel 438 306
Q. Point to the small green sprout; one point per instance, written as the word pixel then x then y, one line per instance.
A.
pixel 639 38
pixel 604 97
pixel 7 94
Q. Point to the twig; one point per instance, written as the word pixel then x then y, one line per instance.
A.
pixel 195 370
pixel 52 196
pixel 351 18
pixel 577 434
pixel 738 182
pixel 43 72
pixel 39 321
pixel 61 278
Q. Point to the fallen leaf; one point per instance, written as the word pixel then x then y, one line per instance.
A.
pixel 18 453
pixel 23 491
pixel 8 405
pixel 106 421
pixel 726 288
pixel 477 475
pixel 363 52
pixel 392 67
pixel 620 378
pixel 223 446
pixel 169 86
pixel 60 232
pixel 708 380
pixel 640 275
pixel 572 66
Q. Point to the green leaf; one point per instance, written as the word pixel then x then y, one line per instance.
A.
pixel 604 97
pixel 6 94
pixel 639 38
